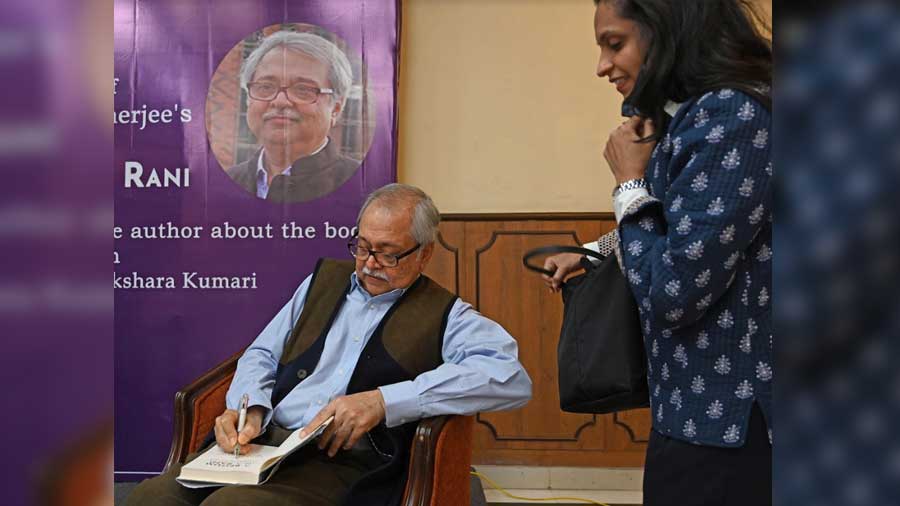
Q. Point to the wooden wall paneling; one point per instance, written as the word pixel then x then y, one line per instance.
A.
pixel 444 267
pixel 507 292
pixel 485 252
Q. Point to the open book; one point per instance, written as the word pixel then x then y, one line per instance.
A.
pixel 215 467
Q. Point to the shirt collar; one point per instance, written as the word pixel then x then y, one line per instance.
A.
pixel 286 172
pixel 671 108
pixel 261 169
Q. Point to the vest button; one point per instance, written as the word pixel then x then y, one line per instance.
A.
pixel 301 373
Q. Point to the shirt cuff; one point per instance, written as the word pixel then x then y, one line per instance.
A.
pixel 625 199
pixel 257 398
pixel 401 403
pixel 593 246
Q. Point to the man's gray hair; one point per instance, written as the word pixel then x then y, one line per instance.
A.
pixel 425 218
pixel 340 73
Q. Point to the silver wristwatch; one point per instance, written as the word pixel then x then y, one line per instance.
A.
pixel 631 184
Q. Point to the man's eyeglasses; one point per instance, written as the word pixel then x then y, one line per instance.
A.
pixel 299 93
pixel 384 259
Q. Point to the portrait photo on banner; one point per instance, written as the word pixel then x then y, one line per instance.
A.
pixel 289 114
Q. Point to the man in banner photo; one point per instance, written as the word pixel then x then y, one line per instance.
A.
pixel 377 345
pixel 297 85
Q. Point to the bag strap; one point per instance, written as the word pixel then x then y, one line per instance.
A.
pixel 552 250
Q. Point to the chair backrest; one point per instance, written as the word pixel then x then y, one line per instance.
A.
pixel 453 462
pixel 439 462
pixel 207 406
pixel 196 407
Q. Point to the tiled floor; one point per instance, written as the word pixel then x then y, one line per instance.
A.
pixel 612 498
pixel 557 504
pixel 605 486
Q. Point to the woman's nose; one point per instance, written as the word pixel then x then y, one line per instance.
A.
pixel 604 67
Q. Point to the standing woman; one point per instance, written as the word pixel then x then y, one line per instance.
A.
pixel 693 203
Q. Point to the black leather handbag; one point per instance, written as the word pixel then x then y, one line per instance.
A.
pixel 601 357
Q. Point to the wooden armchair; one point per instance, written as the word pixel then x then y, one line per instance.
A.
pixel 441 452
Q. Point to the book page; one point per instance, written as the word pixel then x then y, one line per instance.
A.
pixel 216 466
pixel 254 461
pixel 294 441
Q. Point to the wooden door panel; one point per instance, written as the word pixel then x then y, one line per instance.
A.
pixel 480 258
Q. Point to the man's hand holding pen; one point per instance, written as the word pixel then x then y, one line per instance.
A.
pixel 226 432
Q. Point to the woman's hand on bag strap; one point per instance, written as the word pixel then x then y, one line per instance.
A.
pixel 562 265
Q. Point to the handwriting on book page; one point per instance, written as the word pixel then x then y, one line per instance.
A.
pixel 219 459
pixel 225 463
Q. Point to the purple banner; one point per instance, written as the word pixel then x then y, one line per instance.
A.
pixel 213 233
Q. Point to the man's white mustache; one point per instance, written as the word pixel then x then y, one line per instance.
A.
pixel 283 113
pixel 375 274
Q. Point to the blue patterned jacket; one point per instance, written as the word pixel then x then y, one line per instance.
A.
pixel 697 252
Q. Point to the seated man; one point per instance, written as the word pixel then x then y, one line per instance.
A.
pixel 378 346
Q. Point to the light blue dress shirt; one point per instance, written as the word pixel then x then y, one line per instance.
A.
pixel 481 371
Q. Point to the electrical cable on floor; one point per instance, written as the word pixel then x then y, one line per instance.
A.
pixel 504 492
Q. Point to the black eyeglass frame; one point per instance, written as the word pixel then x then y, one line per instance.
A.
pixel 354 246
pixel 319 91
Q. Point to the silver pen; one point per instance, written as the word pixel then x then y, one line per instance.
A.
pixel 242 419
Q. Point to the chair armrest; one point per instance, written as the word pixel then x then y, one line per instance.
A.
pixel 440 461
pixel 196 408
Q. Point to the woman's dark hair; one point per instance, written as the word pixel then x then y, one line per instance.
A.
pixel 696 46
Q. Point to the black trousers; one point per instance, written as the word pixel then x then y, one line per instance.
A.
pixel 681 474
